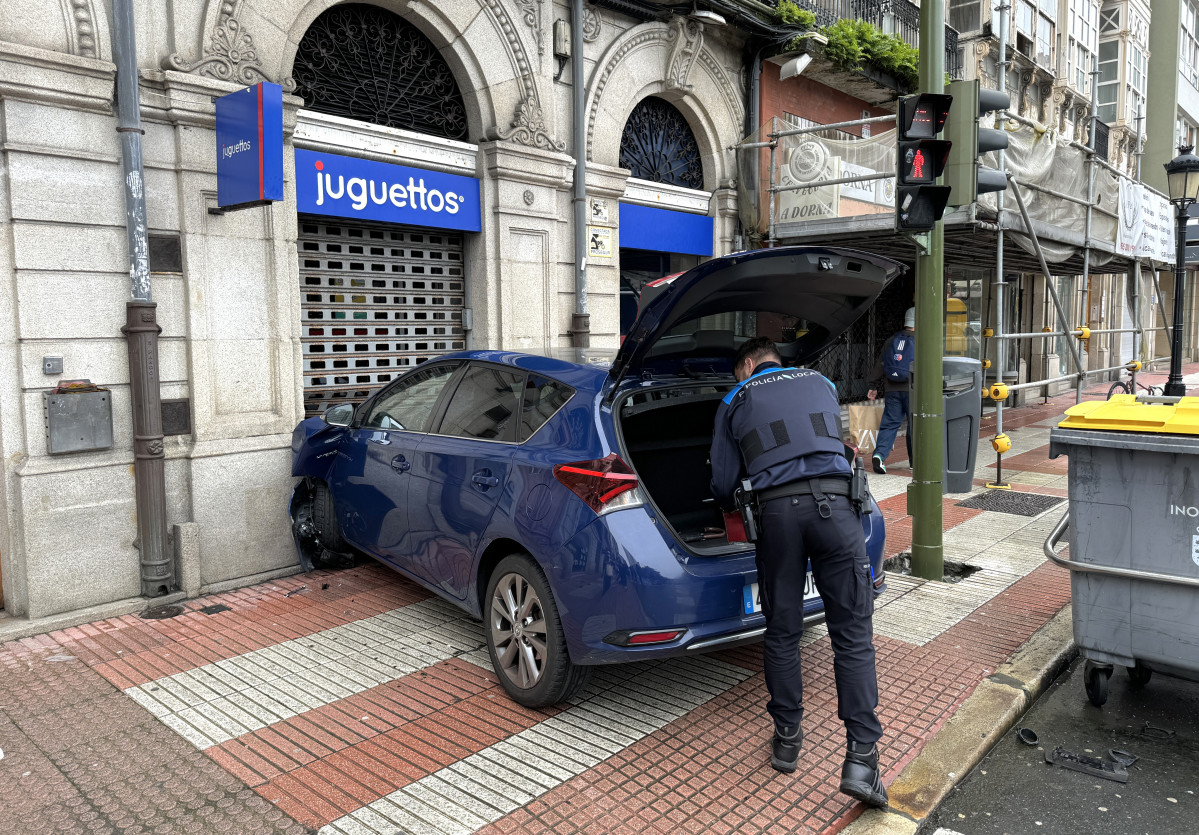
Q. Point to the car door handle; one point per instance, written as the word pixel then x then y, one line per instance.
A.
pixel 400 464
pixel 484 478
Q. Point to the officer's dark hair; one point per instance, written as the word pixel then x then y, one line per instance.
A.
pixel 760 348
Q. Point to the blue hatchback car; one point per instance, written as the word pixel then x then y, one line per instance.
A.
pixel 567 504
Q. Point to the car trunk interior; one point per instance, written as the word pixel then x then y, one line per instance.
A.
pixel 667 436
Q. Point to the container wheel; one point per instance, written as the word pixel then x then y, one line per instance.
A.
pixel 1095 680
pixel 1139 675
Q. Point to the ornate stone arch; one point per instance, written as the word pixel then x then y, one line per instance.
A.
pixel 667 60
pixel 87 27
pixel 73 27
pixel 229 52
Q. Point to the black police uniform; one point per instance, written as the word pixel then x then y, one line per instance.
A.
pixel 781 427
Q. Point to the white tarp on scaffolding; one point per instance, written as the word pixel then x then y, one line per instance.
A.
pixel 1042 160
pixel 1146 224
pixel 1039 159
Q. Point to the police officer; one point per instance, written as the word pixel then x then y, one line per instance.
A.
pixel 781 427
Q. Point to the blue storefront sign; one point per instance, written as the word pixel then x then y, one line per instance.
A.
pixel 249 145
pixel 663 230
pixel 330 184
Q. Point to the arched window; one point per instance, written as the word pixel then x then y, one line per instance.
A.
pixel 363 62
pixel 658 145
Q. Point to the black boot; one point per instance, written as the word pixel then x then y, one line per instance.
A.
pixel 860 777
pixel 784 748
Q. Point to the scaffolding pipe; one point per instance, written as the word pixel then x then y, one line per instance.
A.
pixel 1161 309
pixel 1004 8
pixel 1134 275
pixel 1036 242
pixel 1032 384
pixel 1086 234
pixel 863 178
pixel 853 123
pixel 1078 200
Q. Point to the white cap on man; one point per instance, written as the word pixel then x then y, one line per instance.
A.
pixel 909 318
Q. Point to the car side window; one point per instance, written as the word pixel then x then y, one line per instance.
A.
pixel 484 405
pixel 542 397
pixel 410 404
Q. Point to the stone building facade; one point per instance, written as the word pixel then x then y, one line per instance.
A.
pixel 233 290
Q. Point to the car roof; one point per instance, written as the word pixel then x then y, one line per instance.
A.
pixel 578 375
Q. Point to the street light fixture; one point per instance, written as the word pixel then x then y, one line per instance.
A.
pixel 1182 176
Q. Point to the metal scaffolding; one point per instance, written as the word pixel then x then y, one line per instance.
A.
pixel 1019 186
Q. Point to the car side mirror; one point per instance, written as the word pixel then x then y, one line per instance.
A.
pixel 339 415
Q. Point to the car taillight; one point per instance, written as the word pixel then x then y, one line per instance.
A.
pixel 598 482
pixel 626 638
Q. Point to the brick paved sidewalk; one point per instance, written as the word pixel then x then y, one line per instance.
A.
pixel 354 702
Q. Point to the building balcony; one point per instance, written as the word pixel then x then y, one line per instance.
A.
pixel 893 17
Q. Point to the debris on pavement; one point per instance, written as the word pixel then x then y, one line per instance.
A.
pixel 1157 733
pixel 1027 735
pixel 1087 765
pixel 1122 757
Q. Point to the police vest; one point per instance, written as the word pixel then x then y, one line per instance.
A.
pixel 784 414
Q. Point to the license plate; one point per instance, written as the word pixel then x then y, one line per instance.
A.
pixel 752 601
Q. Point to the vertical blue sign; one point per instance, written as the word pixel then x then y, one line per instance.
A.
pixel 249 146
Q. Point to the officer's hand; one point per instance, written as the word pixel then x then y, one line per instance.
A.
pixel 872 394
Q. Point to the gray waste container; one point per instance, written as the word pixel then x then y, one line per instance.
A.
pixel 1134 538
pixel 962 389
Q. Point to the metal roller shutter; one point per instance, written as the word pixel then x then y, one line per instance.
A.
pixel 376 300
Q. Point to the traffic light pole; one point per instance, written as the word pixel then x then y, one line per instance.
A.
pixel 924 493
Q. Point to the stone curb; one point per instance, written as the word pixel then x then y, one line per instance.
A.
pixel 990 712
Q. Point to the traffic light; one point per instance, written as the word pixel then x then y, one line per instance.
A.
pixel 964 174
pixel 920 159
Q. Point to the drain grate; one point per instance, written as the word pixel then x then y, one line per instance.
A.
pixel 1010 501
pixel 170 610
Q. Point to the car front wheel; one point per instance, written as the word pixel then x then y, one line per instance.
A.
pixel 524 636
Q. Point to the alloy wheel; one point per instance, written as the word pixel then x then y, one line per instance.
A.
pixel 518 631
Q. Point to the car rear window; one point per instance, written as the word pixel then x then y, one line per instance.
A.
pixel 542 397
pixel 484 405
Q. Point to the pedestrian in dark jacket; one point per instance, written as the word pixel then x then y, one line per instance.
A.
pixel 890 376
pixel 781 429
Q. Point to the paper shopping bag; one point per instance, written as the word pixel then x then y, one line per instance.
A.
pixel 864 421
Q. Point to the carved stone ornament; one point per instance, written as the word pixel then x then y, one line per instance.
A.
pixel 688 37
pixel 1046 92
pixel 85 28
pixel 982 49
pixel 528 197
pixel 1064 99
pixel 591 25
pixel 230 56
pixel 1081 122
pixel 528 128
pixel 530 11
pixel 1026 79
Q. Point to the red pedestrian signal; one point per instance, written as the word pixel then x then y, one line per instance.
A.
pixel 920 159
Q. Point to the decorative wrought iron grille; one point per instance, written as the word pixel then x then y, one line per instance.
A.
pixel 658 145
pixel 365 63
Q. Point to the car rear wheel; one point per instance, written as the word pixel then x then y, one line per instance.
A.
pixel 524 636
